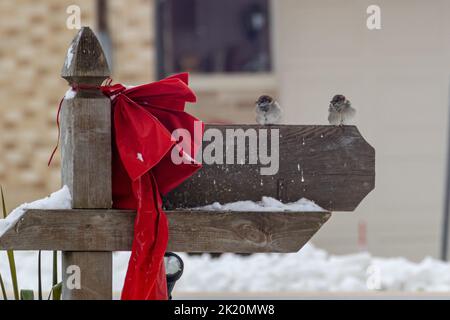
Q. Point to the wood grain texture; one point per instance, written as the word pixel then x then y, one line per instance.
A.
pixel 85 58
pixel 95 276
pixel 189 231
pixel 86 156
pixel 334 166
pixel 86 127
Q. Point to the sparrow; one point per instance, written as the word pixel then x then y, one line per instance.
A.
pixel 340 110
pixel 268 110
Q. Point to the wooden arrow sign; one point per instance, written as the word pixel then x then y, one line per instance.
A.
pixel 333 166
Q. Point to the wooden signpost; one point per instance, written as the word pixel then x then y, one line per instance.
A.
pixel 333 166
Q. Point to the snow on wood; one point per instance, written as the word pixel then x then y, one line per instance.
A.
pixel 70 94
pixel 266 204
pixel 69 57
pixel 60 199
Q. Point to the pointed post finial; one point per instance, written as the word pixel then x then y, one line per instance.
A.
pixel 85 61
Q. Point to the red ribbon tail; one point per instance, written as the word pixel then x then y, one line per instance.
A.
pixel 59 133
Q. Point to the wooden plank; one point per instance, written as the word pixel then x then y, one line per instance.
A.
pixel 189 231
pixel 334 166
pixel 86 155
pixel 95 276
pixel 242 232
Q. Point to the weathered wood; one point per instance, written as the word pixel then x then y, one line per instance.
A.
pixel 86 155
pixel 242 232
pixel 189 231
pixel 86 126
pixel 95 277
pixel 331 165
pixel 85 59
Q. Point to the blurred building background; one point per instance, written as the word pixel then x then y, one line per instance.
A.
pixel 301 51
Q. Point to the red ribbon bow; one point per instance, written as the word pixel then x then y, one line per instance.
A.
pixel 144 120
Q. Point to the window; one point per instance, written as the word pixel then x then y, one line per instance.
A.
pixel 213 36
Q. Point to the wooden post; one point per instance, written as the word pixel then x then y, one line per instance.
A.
pixel 86 159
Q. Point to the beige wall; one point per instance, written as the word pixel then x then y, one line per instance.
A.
pixel 397 79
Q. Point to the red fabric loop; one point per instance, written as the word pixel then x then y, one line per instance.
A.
pixel 144 118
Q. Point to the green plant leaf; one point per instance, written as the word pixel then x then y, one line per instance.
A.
pixel 26 295
pixel 2 285
pixel 39 276
pixel 5 213
pixel 10 253
pixel 56 292
pixel 12 268
pixel 55 268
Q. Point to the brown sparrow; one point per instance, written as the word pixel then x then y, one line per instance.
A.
pixel 268 110
pixel 340 110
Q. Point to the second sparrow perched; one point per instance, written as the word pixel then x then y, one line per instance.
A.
pixel 340 110
pixel 268 110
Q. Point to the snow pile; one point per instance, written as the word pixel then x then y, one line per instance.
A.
pixel 399 274
pixel 266 204
pixel 311 269
pixel 60 199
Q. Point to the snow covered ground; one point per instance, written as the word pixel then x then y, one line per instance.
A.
pixel 310 270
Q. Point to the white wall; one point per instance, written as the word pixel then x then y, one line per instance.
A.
pixel 397 78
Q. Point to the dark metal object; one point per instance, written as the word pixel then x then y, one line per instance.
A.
pixel 172 278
